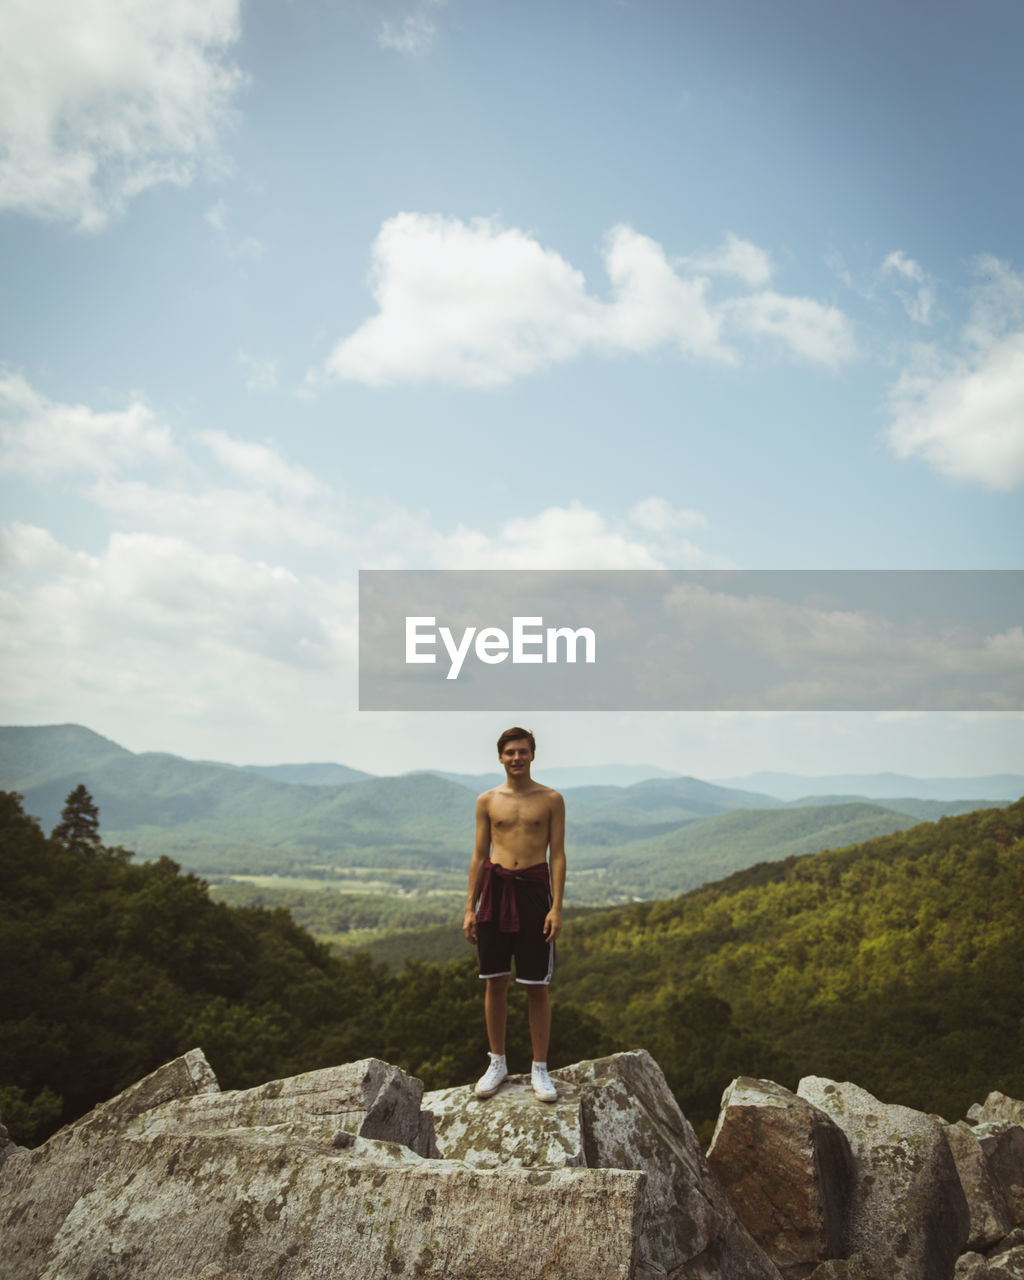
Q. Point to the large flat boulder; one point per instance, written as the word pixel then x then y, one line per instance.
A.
pixel 40 1188
pixel 907 1209
pixel 263 1202
pixel 787 1170
pixel 370 1098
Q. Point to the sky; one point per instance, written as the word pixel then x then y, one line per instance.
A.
pixel 296 289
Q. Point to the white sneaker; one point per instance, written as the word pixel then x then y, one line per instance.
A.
pixel 490 1082
pixel 541 1082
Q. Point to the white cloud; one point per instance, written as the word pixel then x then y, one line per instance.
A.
pixel 103 99
pixel 414 32
pixel 261 465
pixel 811 330
pixel 217 215
pixel 963 413
pixel 810 655
pixel 227 581
pixel 28 549
pixel 660 517
pixel 920 303
pixel 473 304
pixel 260 375
pixel 652 305
pixel 737 257
pixel 214 517
pixel 41 437
pixel 651 536
pixel 477 304
pixel 272 500
pixel 173 627
pixel 897 262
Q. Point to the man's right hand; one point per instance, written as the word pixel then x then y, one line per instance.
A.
pixel 469 926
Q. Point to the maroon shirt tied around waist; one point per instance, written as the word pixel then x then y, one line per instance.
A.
pixel 508 911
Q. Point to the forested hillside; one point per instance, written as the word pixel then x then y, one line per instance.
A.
pixel 895 963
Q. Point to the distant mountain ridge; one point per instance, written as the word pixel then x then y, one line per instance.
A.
pixel 309 775
pixel 654 837
pixel 997 787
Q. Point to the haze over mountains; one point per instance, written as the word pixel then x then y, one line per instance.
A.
pixel 649 837
pixel 882 786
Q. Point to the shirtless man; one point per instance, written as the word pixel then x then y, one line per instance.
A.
pixel 514 903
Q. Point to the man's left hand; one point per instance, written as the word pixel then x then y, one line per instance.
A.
pixel 552 925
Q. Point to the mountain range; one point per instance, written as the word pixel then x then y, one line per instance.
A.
pixel 651 837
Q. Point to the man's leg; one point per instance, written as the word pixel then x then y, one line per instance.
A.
pixel 540 1020
pixel 496 1012
pixel 540 1035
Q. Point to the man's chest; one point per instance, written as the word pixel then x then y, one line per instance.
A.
pixel 510 817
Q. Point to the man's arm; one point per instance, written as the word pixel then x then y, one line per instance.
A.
pixel 556 841
pixel 481 849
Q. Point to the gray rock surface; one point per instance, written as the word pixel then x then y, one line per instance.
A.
pixel 369 1098
pixel 1002 1143
pixel 174 1180
pixel 337 1173
pixel 786 1167
pixel 975 1266
pixel 990 1214
pixel 631 1121
pixel 857 1267
pixel 511 1130
pixel 907 1210
pixel 257 1207
pixel 1015 1240
pixel 38 1188
pixel 617 1112
pixel 997 1106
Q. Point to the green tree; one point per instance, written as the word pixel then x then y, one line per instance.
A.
pixel 79 826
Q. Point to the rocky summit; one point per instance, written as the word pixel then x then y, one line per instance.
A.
pixel 352 1172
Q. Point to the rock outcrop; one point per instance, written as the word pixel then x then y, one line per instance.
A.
pixel 1002 1144
pixel 997 1106
pixel 787 1168
pixel 337 1173
pixel 907 1208
pixel 990 1216
pixel 353 1171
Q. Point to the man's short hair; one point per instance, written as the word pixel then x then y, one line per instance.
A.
pixel 510 735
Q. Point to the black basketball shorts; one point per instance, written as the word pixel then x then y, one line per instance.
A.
pixel 534 957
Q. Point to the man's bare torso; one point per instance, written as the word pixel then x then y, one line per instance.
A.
pixel 520 824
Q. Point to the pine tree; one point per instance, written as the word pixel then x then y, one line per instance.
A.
pixel 79 826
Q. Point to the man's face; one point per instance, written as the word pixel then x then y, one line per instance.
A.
pixel 516 756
